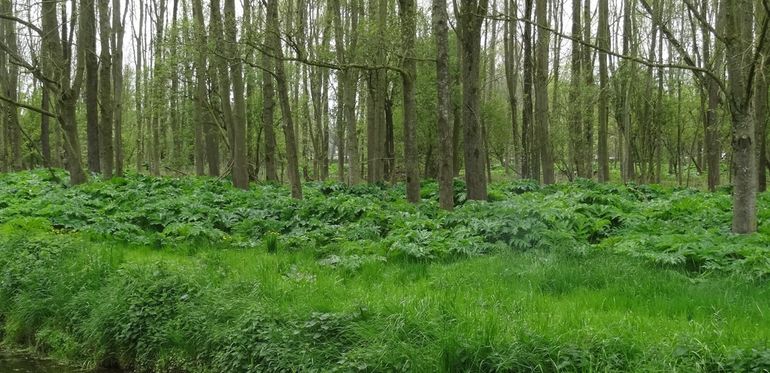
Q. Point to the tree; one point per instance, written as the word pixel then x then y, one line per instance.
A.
pixel 603 39
pixel 9 81
pixel 88 37
pixel 274 46
pixel 446 169
pixel 106 108
pixel 541 94
pixel 56 72
pixel 118 31
pixel 512 75
pixel 470 17
pixel 408 14
pixel 240 164
pixel 741 65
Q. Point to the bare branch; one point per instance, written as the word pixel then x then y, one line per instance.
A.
pixel 22 22
pixel 29 107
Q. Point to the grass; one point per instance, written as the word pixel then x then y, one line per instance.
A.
pixel 557 287
pixel 161 310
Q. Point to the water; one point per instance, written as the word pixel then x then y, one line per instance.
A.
pixel 11 362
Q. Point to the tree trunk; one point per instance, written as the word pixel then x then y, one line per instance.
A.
pixel 240 162
pixel 761 105
pixel 445 147
pixel 88 24
pixel 511 77
pixel 117 76
pixel 604 44
pixel 588 97
pixel 738 15
pixel 138 94
pixel 576 110
pixel 283 96
pixel 528 169
pixel 106 108
pixel 408 14
pixel 11 87
pixel 471 15
pixel 541 95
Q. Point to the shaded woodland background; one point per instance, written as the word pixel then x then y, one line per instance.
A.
pixel 644 91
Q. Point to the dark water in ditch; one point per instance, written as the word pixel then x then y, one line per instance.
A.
pixel 11 362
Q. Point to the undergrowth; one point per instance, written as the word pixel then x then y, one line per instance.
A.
pixel 190 274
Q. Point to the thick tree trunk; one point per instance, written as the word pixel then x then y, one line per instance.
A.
pixel 738 15
pixel 469 26
pixel 66 90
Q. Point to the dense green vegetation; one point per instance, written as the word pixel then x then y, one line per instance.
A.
pixel 190 274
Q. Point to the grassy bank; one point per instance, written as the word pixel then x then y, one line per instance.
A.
pixel 157 275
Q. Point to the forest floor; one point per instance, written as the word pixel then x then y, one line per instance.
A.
pixel 192 275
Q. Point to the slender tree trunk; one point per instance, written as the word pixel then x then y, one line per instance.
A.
pixel 604 44
pixel 283 96
pixel 139 97
pixel 158 98
pixel 118 32
pixel 106 108
pixel 88 20
pixel 511 78
pixel 408 14
pixel 528 168
pixel 45 128
pixel 240 162
pixel 202 117
pixel 444 122
pixel 576 90
pixel 11 85
pixel 588 98
pixel 541 95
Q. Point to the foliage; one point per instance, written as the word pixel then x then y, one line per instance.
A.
pixel 192 275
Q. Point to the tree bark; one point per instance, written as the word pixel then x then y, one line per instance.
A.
pixel 444 123
pixel 117 76
pixel 529 168
pixel 88 37
pixel 738 15
pixel 106 108
pixel 240 162
pixel 283 97
pixel 604 44
pixel 471 16
pixel 541 95
pixel 408 14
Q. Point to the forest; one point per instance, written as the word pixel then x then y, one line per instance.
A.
pixel 375 185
